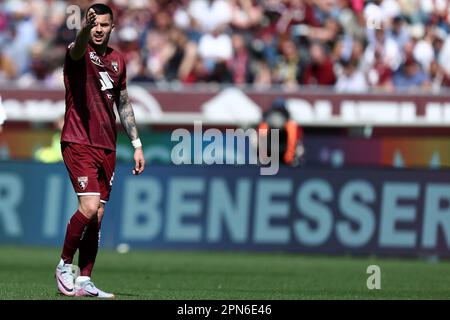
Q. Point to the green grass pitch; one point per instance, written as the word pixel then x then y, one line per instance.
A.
pixel 28 273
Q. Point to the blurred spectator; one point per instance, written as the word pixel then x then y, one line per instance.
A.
pixel 245 14
pixel 240 61
pixel 197 72
pixel 158 53
pixel 128 43
pixel 177 54
pixel 444 54
pixel 191 68
pixel 319 25
pixel 436 11
pixel 262 75
pixel 409 10
pixel 389 9
pixel 295 17
pixel 210 14
pixel 398 32
pixel 320 70
pixel 439 37
pixel 386 47
pixel 350 18
pixel 288 69
pixel 410 76
pixel 21 35
pixel 423 51
pixel 439 79
pixel 379 75
pixel 216 50
pixel 7 68
pixel 351 79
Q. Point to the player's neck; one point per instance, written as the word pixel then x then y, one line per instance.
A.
pixel 100 50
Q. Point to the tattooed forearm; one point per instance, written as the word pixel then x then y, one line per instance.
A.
pixel 126 115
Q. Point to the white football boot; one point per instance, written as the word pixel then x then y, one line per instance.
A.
pixel 65 279
pixel 84 287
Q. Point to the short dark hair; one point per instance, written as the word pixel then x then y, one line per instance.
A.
pixel 279 105
pixel 101 8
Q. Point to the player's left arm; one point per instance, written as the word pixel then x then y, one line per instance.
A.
pixel 128 121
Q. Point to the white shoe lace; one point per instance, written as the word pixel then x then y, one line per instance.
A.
pixel 66 275
pixel 65 279
pixel 91 285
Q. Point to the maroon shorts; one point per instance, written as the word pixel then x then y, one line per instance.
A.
pixel 91 169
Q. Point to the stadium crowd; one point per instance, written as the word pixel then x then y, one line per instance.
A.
pixel 351 45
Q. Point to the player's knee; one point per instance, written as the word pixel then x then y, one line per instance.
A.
pixel 89 209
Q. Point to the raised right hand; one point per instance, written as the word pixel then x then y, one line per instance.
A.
pixel 91 19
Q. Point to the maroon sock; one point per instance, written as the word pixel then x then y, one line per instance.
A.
pixel 89 248
pixel 74 233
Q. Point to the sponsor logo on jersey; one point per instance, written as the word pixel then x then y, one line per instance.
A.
pixel 95 59
pixel 83 182
pixel 115 66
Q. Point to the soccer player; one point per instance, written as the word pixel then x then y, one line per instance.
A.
pixel 95 80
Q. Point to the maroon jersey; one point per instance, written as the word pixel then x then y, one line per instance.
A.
pixel 93 85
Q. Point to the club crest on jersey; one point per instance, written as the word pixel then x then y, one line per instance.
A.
pixel 115 66
pixel 83 182
pixel 95 59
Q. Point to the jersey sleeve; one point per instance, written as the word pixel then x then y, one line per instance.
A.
pixel 68 59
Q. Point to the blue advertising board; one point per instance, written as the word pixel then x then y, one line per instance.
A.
pixel 303 210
